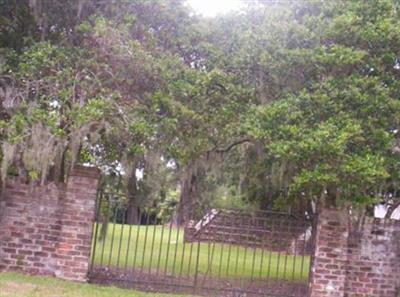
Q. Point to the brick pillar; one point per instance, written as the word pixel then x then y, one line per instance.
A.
pixel 330 261
pixel 356 260
pixel 77 217
pixel 47 230
pixel 374 259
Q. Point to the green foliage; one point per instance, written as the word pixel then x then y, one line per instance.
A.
pixel 167 207
pixel 47 92
pixel 338 134
pixel 283 103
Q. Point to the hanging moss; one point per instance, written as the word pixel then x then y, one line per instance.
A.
pixel 8 157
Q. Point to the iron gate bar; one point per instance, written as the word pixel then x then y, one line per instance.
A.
pixel 286 254
pixel 168 247
pixel 302 264
pixel 98 201
pixel 176 250
pixel 121 237
pixel 104 236
pixel 196 276
pixel 242 280
pixel 137 240
pixel 222 247
pixel 269 255
pixel 294 258
pixel 152 246
pixel 128 246
pixel 112 237
pixel 253 264
pixel 262 256
pixel 279 255
pixel 145 239
pixel 237 260
pixel 190 256
pixel 220 260
pixel 159 254
pixel 197 266
pixel 254 259
pixel 183 256
pixel 229 259
pixel 246 242
pixel 212 258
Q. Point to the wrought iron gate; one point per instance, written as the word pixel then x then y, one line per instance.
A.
pixel 226 253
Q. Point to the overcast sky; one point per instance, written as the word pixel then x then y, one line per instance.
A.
pixel 214 7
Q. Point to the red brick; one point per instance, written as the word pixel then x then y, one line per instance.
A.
pixel 355 263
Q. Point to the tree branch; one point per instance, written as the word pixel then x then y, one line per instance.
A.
pixel 230 146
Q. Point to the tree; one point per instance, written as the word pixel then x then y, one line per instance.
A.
pixel 280 104
pixel 336 136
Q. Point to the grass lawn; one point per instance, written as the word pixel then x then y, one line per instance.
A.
pixel 160 248
pixel 17 285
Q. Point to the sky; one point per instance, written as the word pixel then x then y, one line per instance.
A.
pixel 213 7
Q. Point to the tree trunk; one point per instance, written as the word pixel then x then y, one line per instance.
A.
pixel 57 172
pixel 132 212
pixel 188 195
pixel 332 196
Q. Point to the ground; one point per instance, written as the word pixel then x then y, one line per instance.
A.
pixel 18 285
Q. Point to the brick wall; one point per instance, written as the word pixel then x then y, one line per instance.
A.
pixel 47 229
pixel 356 260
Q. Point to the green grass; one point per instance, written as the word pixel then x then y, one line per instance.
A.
pixel 169 253
pixel 17 285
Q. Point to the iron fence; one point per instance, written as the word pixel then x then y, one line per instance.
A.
pixel 226 253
